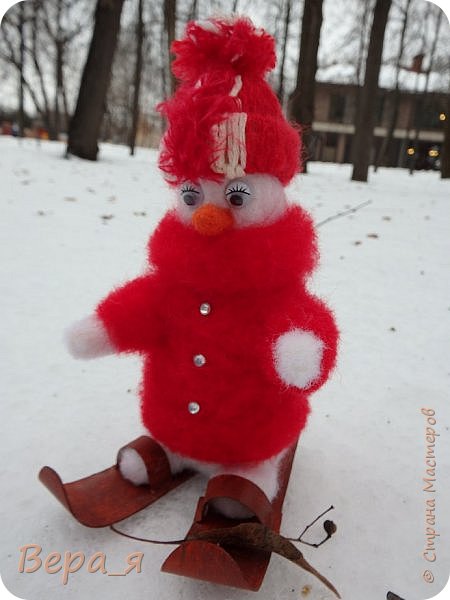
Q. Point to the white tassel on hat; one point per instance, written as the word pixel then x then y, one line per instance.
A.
pixel 230 137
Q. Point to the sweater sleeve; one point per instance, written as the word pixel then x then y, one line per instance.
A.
pixel 316 317
pixel 129 314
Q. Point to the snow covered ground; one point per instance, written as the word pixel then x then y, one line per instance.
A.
pixel 73 229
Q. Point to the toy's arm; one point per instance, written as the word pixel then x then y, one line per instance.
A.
pixel 125 321
pixel 88 338
pixel 305 355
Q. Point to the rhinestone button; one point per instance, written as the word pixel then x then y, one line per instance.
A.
pixel 205 309
pixel 199 360
pixel 193 407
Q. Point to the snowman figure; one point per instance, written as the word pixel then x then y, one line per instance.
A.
pixel 232 342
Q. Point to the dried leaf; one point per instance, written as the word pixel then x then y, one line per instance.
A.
pixel 392 596
pixel 257 536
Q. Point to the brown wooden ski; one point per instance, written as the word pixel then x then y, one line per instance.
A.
pixel 234 566
pixel 106 497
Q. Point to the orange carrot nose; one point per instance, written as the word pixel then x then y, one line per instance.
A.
pixel 210 219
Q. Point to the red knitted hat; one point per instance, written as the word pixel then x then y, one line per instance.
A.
pixel 224 119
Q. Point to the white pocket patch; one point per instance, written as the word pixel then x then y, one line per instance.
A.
pixel 298 355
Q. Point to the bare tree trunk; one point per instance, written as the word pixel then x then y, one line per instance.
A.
pixel 393 116
pixel 170 16
pixel 301 102
pixel 287 20
pixel 137 76
pixel 163 67
pixel 417 67
pixel 21 115
pixel 445 152
pixel 360 58
pixel 64 99
pixel 58 70
pixel 193 11
pixel 362 143
pixel 58 88
pixel 421 99
pixel 34 50
pixel 362 41
pixel 85 124
pixel 14 60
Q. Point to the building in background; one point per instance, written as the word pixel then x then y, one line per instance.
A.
pixel 333 127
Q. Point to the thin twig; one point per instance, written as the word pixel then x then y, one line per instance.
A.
pixel 139 539
pixel 315 521
pixel 314 545
pixel 343 213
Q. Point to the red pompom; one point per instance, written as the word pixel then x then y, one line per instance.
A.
pixel 234 45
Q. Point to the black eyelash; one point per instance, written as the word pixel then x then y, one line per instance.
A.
pixel 241 190
pixel 189 189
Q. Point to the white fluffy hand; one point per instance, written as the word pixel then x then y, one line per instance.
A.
pixel 298 355
pixel 88 338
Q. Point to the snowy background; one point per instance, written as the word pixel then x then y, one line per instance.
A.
pixel 73 229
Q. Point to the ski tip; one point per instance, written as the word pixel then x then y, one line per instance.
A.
pixel 52 481
pixel 47 476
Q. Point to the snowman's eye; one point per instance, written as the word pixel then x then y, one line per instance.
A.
pixel 191 194
pixel 237 193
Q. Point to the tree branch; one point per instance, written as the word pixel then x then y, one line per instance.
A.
pixel 343 214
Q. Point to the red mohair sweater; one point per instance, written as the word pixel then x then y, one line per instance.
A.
pixel 254 282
